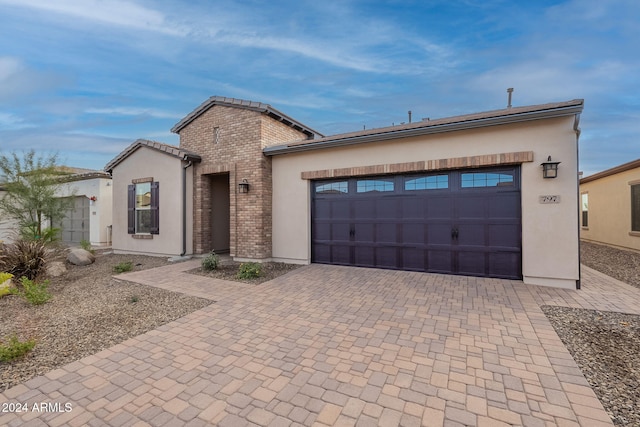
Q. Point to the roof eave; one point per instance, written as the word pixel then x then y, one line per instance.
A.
pixel 613 171
pixel 136 145
pixel 257 107
pixel 427 130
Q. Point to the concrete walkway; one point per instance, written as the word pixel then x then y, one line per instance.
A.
pixel 328 345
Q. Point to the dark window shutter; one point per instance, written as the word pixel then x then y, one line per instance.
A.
pixel 155 211
pixel 131 209
pixel 635 207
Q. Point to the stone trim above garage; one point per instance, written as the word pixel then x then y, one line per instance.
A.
pixel 425 165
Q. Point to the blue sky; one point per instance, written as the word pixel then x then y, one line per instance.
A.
pixel 85 78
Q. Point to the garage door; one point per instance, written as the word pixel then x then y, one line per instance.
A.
pixel 75 225
pixel 459 222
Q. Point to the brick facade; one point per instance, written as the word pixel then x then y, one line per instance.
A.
pixel 230 141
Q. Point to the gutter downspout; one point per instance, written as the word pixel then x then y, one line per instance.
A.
pixel 184 207
pixel 577 130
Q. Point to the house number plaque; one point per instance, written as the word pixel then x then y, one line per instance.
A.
pixel 549 199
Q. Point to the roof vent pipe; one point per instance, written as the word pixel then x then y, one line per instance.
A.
pixel 510 92
pixel 409 116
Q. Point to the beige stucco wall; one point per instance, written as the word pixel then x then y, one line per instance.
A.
pixel 610 210
pixel 167 170
pixel 100 211
pixel 549 231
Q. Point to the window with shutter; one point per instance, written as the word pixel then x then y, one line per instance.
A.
pixel 143 201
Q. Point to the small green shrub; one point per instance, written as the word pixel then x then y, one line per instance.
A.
pixel 211 262
pixel 15 348
pixel 86 245
pixel 35 293
pixel 134 299
pixel 123 267
pixel 249 270
pixel 5 291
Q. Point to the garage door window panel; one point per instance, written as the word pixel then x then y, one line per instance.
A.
pixel 332 188
pixel 487 179
pixel 375 185
pixel 432 182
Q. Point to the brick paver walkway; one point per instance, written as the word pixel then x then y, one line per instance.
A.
pixel 328 345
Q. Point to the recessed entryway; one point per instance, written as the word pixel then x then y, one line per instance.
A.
pixel 220 216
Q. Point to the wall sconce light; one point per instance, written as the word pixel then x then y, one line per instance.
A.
pixel 549 168
pixel 243 187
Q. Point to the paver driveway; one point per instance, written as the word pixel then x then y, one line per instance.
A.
pixel 336 346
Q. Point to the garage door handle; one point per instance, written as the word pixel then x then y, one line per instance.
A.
pixel 454 233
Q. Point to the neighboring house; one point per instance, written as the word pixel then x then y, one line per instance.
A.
pixel 460 195
pixel 88 219
pixel 610 206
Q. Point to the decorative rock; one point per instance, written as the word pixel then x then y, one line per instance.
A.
pixel 56 269
pixel 79 256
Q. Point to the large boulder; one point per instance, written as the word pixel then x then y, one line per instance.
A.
pixel 79 256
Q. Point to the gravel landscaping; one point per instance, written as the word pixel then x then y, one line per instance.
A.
pixel 606 345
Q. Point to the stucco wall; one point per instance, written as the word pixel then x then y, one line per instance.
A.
pixel 549 231
pixel 167 170
pixel 610 210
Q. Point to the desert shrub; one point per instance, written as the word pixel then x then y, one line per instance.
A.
pixel 123 267
pixel 86 245
pixel 5 291
pixel 211 262
pixel 4 277
pixel 24 258
pixel 15 348
pixel 35 293
pixel 249 270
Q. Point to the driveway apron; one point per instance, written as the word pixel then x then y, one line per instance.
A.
pixel 330 345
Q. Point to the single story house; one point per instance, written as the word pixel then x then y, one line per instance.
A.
pixel 88 218
pixel 610 206
pixel 458 195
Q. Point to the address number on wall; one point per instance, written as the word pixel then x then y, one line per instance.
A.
pixel 549 199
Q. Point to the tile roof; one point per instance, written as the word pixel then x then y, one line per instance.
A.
pixel 171 150
pixel 428 126
pixel 614 170
pixel 247 105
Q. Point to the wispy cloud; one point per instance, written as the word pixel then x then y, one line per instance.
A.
pixel 113 12
pixel 133 111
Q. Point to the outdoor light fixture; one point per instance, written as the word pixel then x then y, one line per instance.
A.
pixel 549 168
pixel 243 187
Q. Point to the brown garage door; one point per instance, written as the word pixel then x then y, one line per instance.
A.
pixel 460 222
